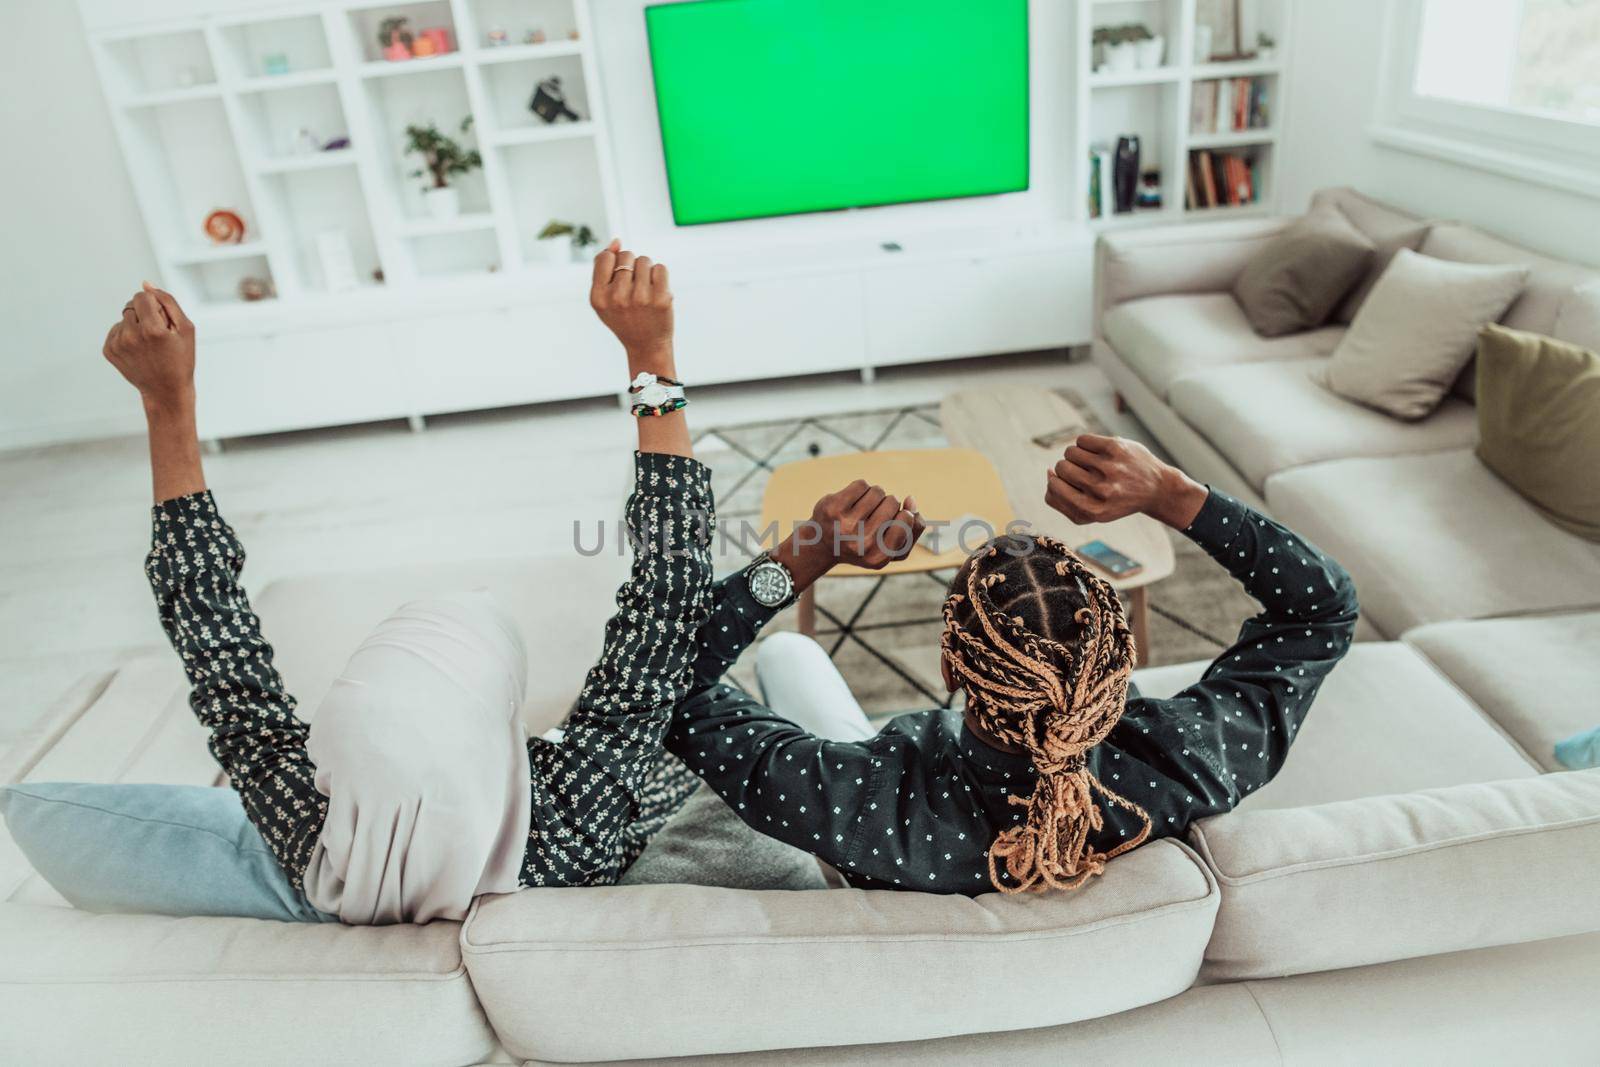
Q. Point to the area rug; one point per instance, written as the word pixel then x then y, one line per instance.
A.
pixel 890 656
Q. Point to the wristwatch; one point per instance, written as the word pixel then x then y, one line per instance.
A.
pixel 770 582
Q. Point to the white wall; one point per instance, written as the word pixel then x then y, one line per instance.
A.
pixel 73 248
pixel 1333 81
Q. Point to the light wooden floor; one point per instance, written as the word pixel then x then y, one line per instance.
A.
pixel 76 527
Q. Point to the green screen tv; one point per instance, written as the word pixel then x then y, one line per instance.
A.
pixel 780 107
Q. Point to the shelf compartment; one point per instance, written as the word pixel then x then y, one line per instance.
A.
pixel 282 125
pixel 1258 163
pixel 556 18
pixel 559 180
pixel 510 88
pixel 311 203
pixel 1149 111
pixel 214 283
pixel 154 65
pixel 183 155
pixel 438 96
pixel 365 21
pixel 299 41
pixel 460 253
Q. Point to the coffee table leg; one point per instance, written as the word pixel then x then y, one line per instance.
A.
pixel 807 608
pixel 1139 620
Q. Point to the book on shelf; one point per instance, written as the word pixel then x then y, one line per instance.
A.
pixel 1222 179
pixel 1102 191
pixel 1229 105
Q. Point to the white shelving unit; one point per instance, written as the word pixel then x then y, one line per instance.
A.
pixel 1156 103
pixel 180 89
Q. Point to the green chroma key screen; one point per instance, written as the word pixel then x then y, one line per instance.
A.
pixel 776 107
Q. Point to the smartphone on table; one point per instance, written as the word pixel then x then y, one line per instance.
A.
pixel 1109 559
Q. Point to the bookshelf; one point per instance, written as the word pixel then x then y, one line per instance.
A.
pixel 1180 110
pixel 251 78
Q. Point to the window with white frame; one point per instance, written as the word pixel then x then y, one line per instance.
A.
pixel 1511 85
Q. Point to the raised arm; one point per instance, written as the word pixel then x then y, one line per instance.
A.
pixel 1225 736
pixel 770 771
pixel 588 787
pixel 193 567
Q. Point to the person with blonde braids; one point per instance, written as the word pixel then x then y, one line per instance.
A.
pixel 1056 764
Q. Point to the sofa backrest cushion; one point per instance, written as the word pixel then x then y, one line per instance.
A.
pixel 1549 281
pixel 1394 877
pixel 1388 228
pixel 1295 282
pixel 675 970
pixel 1539 423
pixel 1578 320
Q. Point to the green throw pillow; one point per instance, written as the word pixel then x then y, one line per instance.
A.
pixel 1539 423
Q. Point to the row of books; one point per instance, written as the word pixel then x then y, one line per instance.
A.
pixel 1223 105
pixel 1222 179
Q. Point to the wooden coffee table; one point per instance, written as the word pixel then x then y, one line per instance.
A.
pixel 948 483
pixel 1001 423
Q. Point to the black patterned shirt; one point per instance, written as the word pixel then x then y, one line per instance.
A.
pixel 917 806
pixel 597 795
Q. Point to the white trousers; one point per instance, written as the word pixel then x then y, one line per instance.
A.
pixel 800 682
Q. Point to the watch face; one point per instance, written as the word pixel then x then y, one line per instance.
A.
pixel 653 395
pixel 770 584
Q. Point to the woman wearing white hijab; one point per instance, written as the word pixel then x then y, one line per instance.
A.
pixel 416 789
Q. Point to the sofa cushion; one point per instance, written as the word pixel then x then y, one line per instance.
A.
pixel 207 990
pixel 1380 690
pixel 1414 874
pixel 1295 282
pixel 1436 536
pixel 1549 281
pixel 315 623
pixel 692 971
pixel 1417 330
pixel 1578 321
pixel 1539 423
pixel 1164 338
pixel 1536 677
pixel 1268 417
pixel 1389 229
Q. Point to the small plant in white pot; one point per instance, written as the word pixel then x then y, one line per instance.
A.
pixel 580 239
pixel 443 158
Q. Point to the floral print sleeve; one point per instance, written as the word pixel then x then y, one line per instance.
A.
pixel 607 772
pixel 234 690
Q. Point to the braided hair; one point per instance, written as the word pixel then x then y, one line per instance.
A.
pixel 1043 651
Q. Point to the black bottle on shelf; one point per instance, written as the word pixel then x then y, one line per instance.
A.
pixel 1125 172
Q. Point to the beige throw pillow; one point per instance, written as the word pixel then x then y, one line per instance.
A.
pixel 1417 330
pixel 1539 423
pixel 1294 283
pixel 1578 321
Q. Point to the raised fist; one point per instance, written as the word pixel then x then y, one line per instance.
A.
pixel 152 346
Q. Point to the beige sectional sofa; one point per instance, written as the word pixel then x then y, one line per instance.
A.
pixel 1413 887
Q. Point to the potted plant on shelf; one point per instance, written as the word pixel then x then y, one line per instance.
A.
pixel 394 37
pixel 581 238
pixel 443 158
pixel 1266 46
pixel 1130 46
